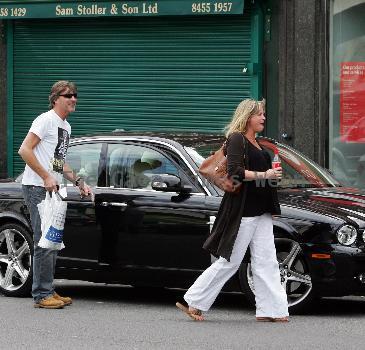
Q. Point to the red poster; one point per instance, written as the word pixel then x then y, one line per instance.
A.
pixel 352 102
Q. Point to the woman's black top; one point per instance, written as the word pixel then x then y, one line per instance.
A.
pixel 259 197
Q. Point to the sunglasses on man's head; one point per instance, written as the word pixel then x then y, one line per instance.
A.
pixel 69 95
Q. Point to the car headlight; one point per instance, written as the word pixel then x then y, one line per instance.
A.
pixel 346 234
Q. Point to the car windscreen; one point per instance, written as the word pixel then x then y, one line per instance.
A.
pixel 298 170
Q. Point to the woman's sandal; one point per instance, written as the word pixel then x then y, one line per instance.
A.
pixel 195 314
pixel 272 319
pixel 281 319
pixel 264 319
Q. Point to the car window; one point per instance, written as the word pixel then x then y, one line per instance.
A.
pixel 132 166
pixel 84 161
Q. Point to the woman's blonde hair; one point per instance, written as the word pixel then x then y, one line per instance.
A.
pixel 244 111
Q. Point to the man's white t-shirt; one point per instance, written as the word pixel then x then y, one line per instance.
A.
pixel 54 134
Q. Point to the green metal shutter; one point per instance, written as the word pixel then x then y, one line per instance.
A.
pixel 133 73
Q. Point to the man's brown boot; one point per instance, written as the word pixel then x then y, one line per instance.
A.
pixel 65 300
pixel 49 303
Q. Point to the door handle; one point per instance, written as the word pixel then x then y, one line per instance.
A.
pixel 211 222
pixel 114 204
pixel 117 204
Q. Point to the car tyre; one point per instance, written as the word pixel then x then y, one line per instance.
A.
pixel 16 250
pixel 294 274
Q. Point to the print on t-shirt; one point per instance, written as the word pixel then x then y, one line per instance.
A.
pixel 60 152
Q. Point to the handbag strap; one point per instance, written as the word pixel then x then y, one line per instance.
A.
pixel 245 159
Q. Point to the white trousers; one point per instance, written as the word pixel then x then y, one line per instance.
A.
pixel 271 299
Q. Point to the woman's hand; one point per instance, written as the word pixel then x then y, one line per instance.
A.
pixel 276 173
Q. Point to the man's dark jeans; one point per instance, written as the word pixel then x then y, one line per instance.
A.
pixel 44 260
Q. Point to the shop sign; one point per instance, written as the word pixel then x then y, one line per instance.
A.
pixel 352 102
pixel 20 9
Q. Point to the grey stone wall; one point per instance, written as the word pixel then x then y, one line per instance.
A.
pixel 303 76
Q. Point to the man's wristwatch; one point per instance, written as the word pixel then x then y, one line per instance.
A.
pixel 78 181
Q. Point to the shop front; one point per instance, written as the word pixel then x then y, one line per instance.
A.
pixel 347 95
pixel 139 65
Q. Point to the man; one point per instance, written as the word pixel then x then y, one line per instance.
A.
pixel 44 151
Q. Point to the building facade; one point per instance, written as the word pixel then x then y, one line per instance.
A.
pixel 177 65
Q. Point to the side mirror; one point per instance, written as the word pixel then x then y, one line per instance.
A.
pixel 168 183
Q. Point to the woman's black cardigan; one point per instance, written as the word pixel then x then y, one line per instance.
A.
pixel 224 232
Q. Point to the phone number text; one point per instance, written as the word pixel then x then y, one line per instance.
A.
pixel 13 12
pixel 207 7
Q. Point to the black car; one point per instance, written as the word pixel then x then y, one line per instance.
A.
pixel 152 211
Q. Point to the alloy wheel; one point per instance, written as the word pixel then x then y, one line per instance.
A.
pixel 15 260
pixel 294 273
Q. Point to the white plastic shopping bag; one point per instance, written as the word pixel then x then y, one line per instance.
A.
pixel 52 211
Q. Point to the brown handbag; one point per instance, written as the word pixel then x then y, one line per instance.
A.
pixel 214 168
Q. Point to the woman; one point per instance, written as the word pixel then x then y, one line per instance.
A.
pixel 244 219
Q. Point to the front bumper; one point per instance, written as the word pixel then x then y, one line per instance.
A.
pixel 336 270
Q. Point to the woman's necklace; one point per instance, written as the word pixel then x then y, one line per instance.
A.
pixel 253 141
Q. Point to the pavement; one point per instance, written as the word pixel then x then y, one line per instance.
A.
pixel 121 317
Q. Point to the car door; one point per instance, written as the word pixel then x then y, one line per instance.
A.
pixel 81 233
pixel 144 228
